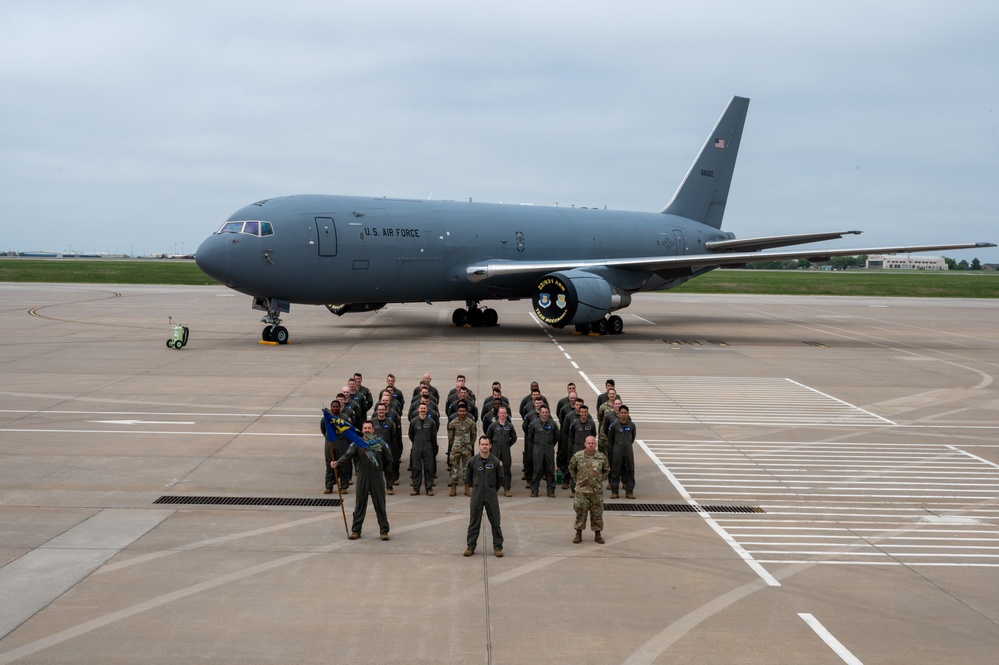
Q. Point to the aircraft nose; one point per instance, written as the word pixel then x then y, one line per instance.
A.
pixel 213 257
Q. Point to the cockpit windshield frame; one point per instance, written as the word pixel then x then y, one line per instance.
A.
pixel 249 227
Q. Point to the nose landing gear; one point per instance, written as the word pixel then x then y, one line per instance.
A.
pixel 274 332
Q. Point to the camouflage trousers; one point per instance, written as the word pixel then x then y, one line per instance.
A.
pixel 460 453
pixel 592 504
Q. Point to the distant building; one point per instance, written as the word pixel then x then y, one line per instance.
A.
pixel 905 262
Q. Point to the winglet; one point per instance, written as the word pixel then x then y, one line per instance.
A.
pixel 704 191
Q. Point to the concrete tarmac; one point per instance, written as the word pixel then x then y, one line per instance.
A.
pixel 860 434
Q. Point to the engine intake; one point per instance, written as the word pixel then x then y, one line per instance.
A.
pixel 573 297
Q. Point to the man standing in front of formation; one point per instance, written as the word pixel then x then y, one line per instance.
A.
pixel 370 459
pixel 589 468
pixel 484 473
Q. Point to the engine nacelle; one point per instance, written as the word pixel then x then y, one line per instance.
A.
pixel 574 297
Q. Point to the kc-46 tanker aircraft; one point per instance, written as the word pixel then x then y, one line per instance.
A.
pixel 577 265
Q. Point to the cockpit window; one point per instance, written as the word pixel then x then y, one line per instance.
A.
pixel 252 228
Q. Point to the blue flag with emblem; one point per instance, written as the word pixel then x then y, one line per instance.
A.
pixel 337 426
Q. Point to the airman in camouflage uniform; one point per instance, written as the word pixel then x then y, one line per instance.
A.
pixel 590 469
pixel 460 439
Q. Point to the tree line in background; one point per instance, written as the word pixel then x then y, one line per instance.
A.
pixel 847 262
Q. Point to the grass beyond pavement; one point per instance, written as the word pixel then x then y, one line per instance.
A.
pixel 925 284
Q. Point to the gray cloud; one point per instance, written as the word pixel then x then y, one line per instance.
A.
pixel 131 126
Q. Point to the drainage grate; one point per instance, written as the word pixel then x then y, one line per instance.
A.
pixel 695 342
pixel 245 501
pixel 679 508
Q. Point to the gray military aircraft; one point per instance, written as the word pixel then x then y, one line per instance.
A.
pixel 578 265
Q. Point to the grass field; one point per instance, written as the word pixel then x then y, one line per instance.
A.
pixel 895 283
pixel 84 271
pixel 954 284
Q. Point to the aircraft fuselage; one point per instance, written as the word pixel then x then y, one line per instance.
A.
pixel 344 249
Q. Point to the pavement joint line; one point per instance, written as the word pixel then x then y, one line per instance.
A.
pixel 153 603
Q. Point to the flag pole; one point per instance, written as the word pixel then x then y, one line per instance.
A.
pixel 336 476
pixel 340 494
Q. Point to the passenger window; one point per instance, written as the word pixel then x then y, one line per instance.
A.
pixel 252 228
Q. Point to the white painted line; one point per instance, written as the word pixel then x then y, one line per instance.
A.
pixel 974 457
pixel 738 549
pixel 852 406
pixel 592 386
pixel 831 641
pixel 132 432
pixel 143 422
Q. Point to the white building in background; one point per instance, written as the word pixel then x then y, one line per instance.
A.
pixel 905 262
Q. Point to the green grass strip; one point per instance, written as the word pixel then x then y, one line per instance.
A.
pixel 909 284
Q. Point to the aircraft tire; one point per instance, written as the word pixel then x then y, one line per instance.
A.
pixel 475 317
pixel 490 318
pixel 615 325
pixel 582 328
pixel 458 317
pixel 599 327
pixel 266 335
pixel 280 335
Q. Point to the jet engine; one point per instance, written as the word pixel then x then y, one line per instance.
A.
pixel 575 297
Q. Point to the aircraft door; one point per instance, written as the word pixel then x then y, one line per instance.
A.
pixel 326 230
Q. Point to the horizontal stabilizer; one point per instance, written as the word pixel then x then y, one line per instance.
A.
pixel 769 242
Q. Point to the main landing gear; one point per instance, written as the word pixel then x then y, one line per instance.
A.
pixel 611 325
pixel 475 317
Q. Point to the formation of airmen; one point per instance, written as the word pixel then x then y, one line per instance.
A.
pixel 551 435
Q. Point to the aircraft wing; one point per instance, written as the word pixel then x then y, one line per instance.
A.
pixel 485 270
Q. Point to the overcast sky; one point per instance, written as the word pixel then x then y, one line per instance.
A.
pixel 140 127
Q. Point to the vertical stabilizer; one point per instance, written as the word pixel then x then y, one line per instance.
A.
pixel 704 191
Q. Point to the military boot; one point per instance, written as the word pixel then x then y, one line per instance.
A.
pixel 579 536
pixel 454 489
pixel 468 490
pixel 598 538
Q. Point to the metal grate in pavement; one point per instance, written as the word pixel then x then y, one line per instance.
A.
pixel 245 501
